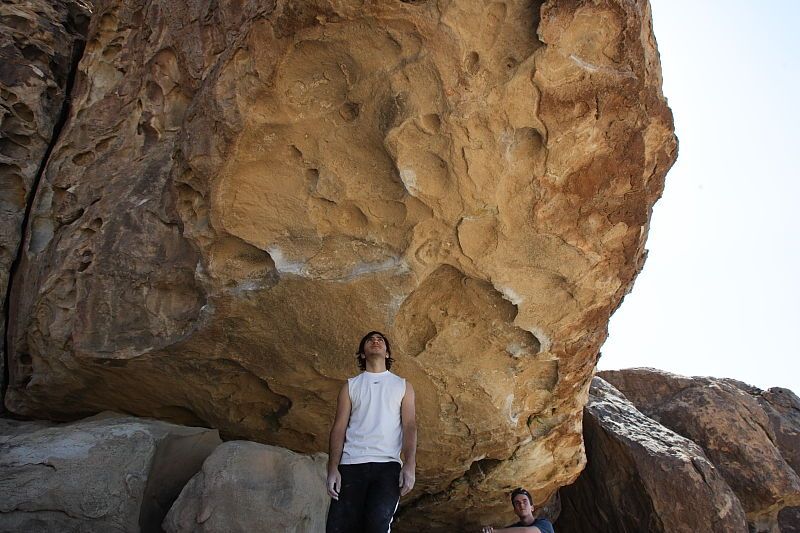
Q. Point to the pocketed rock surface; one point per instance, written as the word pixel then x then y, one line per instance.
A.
pixel 641 476
pixel 40 42
pixel 241 192
pixel 107 473
pixel 245 486
pixel 750 435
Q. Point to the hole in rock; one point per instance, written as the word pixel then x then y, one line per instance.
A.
pixel 349 111
pixel 113 363
pixel 472 62
pixel 151 134
pixel 17 22
pixel 12 150
pixel 9 97
pixel 481 468
pixel 22 111
pixel 103 144
pixel 22 140
pixel 12 187
pixel 34 54
pixel 111 51
pixel 312 178
pixel 82 159
pixel 11 123
pixel 70 216
pixel 431 122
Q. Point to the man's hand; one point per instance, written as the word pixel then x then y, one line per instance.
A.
pixel 334 484
pixel 407 478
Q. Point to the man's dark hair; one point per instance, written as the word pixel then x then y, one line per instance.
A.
pixel 520 490
pixel 362 359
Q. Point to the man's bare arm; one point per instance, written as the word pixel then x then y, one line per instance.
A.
pixel 408 418
pixel 516 529
pixel 338 431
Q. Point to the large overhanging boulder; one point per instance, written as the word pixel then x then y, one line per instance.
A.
pixel 240 194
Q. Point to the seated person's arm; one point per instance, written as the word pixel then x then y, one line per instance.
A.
pixel 545 528
pixel 518 529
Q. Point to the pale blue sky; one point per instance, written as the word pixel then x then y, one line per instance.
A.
pixel 719 294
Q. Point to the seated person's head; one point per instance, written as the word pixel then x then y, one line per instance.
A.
pixel 522 502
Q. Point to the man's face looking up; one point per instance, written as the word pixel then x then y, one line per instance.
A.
pixel 375 345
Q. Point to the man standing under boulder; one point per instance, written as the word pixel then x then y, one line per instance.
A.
pixel 523 507
pixel 375 423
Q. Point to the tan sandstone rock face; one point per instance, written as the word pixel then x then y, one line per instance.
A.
pixel 245 486
pixel 240 194
pixel 750 435
pixel 40 45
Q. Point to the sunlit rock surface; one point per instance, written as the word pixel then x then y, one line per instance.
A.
pixel 40 44
pixel 641 476
pixel 242 191
pixel 245 486
pixel 751 436
pixel 107 473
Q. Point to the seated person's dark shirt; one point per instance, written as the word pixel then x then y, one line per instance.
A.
pixel 543 524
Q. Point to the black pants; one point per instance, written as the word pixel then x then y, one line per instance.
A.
pixel 367 500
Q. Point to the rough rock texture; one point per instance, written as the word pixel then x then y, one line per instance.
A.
pixel 245 486
pixel 40 44
pixel 747 433
pixel 789 520
pixel 641 476
pixel 103 474
pixel 242 191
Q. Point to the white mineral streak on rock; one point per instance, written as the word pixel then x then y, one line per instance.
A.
pixel 409 178
pixel 511 295
pixel 584 64
pixel 364 269
pixel 286 266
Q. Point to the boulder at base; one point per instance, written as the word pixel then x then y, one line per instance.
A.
pixel 102 474
pixel 245 486
pixel 750 435
pixel 641 476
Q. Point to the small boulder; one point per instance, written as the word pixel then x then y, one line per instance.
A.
pixel 245 486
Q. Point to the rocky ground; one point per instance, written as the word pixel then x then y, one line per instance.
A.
pixel 118 473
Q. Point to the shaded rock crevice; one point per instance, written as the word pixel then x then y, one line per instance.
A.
pixel 76 15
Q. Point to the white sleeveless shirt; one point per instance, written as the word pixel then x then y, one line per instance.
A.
pixel 374 433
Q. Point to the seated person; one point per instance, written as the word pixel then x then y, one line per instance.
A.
pixel 523 507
